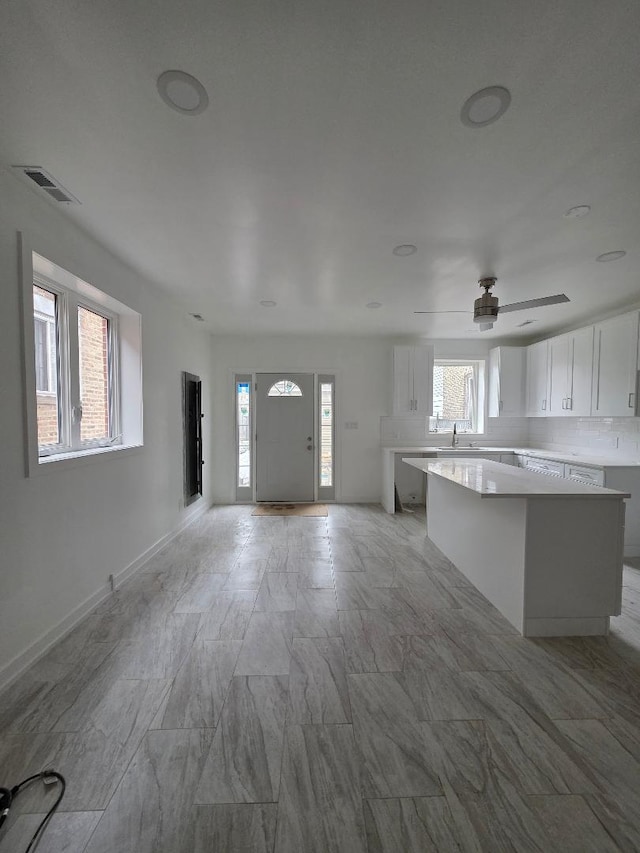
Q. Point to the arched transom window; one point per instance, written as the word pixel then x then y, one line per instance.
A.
pixel 285 388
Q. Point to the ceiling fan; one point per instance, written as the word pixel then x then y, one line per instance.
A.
pixel 486 308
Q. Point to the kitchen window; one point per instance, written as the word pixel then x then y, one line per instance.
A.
pixel 83 367
pixel 458 396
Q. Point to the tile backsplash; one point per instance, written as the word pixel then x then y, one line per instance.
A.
pixel 609 436
pixel 397 431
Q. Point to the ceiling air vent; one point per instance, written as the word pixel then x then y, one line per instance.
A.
pixel 47 183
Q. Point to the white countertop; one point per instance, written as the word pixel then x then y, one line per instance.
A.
pixel 596 461
pixel 495 480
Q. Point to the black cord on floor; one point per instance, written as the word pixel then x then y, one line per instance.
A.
pixel 7 796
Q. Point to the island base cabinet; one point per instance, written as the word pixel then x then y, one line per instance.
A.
pixel 551 566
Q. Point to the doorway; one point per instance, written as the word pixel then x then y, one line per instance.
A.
pixel 285 437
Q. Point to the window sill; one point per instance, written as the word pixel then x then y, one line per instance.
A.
pixel 77 458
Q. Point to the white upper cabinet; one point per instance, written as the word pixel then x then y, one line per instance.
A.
pixel 580 373
pixel 615 363
pixel 537 379
pixel 506 382
pixel 413 380
pixel 570 369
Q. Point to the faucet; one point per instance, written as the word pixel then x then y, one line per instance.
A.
pixel 454 437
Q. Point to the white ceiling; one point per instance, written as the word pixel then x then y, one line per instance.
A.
pixel 332 135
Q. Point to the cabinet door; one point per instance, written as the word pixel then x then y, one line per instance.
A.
pixel 494 383
pixel 402 381
pixel 559 358
pixel 506 381
pixel 537 379
pixel 615 354
pixel 580 373
pixel 423 380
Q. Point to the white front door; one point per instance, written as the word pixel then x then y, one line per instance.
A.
pixel 284 437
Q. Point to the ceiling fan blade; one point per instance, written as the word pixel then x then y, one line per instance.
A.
pixel 534 303
pixel 442 312
pixel 484 327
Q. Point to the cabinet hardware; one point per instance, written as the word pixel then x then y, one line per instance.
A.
pixel 569 403
pixel 544 405
pixel 631 395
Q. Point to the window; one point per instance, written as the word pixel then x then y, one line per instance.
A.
pixel 458 396
pixel 83 364
pixel 326 434
pixel 285 388
pixel 327 428
pixel 75 374
pixel 243 427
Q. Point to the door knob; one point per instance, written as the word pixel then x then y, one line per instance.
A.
pixel 309 447
pixel 309 438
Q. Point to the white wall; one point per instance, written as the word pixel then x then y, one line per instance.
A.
pixel 64 532
pixel 363 393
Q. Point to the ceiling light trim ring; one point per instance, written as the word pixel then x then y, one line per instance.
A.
pixel 404 250
pixel 578 211
pixel 165 80
pixel 605 257
pixel 499 93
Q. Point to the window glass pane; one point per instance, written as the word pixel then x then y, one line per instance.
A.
pixel 243 418
pixel 93 345
pixel 454 397
pixel 285 388
pixel 326 434
pixel 46 354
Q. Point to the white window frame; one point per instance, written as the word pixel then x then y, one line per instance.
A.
pixel 124 358
pixel 481 402
pixel 69 402
pixel 49 331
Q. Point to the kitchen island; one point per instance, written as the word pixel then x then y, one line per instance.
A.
pixel 546 552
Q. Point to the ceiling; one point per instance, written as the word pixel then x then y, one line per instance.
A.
pixel 333 133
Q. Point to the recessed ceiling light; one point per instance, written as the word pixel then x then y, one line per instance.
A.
pixel 611 256
pixel 485 107
pixel 182 92
pixel 405 249
pixel 374 304
pixel 268 303
pixel 578 212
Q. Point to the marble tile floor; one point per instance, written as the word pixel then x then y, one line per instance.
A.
pixel 324 685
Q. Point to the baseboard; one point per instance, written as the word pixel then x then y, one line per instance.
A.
pixel 21 662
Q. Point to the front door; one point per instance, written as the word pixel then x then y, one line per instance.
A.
pixel 284 437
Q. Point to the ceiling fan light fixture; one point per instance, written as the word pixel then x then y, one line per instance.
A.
pixel 485 307
pixel 485 106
